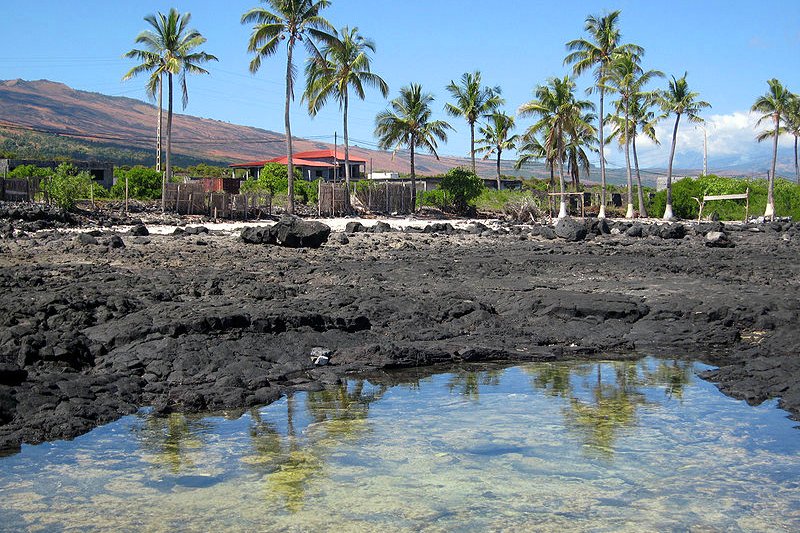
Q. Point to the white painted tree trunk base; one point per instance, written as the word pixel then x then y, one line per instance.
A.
pixel 562 211
pixel 668 213
pixel 602 213
pixel 629 212
pixel 769 212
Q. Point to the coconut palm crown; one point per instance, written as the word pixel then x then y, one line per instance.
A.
pixel 292 21
pixel 408 124
pixel 496 138
pixel 345 65
pixel 472 101
pixel 169 49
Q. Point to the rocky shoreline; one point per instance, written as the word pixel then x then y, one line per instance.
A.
pixel 95 324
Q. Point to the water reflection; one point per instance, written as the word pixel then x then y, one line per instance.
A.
pixel 468 383
pixel 171 441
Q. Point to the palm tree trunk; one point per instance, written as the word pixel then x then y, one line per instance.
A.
pixel 642 208
pixel 629 210
pixel 562 209
pixel 499 153
pixel 288 125
pixel 160 120
pixel 413 180
pixel 168 173
pixel 668 210
pixel 472 145
pixel 602 213
pixel 769 212
pixel 346 155
pixel 796 167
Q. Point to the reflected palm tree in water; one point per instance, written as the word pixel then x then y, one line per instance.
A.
pixel 674 376
pixel 468 383
pixel 292 460
pixel 172 439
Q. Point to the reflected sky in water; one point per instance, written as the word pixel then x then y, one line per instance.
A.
pixel 642 445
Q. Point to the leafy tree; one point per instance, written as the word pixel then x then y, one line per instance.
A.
pixel 271 179
pixel 169 48
pixel 596 53
pixel 678 100
pixel 66 185
pixel 408 124
pixel 472 102
pixel 29 171
pixel 144 183
pixel 560 116
pixel 496 138
pixel 627 78
pixel 462 187
pixel 345 64
pixel 293 21
pixel 774 105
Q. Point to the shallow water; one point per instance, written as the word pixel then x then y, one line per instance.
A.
pixel 636 446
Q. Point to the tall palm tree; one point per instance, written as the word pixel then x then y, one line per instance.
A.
pixel 472 102
pixel 169 49
pixel 532 148
pixel 774 106
pixel 597 52
pixel 345 63
pixel 497 138
pixel 792 119
pixel 627 78
pixel 151 62
pixel 408 124
pixel 583 138
pixel 560 116
pixel 678 100
pixel 293 21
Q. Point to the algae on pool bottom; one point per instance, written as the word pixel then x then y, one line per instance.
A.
pixel 608 446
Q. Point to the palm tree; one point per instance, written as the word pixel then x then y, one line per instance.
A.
pixel 678 99
pixel 774 105
pixel 626 77
pixel 496 138
pixel 150 62
pixel 472 102
pixel 408 124
pixel 584 137
pixel 293 21
pixel 169 48
pixel 597 53
pixel 792 119
pixel 345 63
pixel 532 148
pixel 560 116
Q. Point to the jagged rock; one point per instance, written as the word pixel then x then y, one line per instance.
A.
pixel 718 239
pixel 258 235
pixel 381 227
pixel 196 230
pixel 340 238
pixel 140 230
pixel 635 230
pixel 599 226
pixel 547 232
pixel 116 242
pixel 354 227
pixel 85 238
pixel 570 230
pixel 672 231
pixel 294 232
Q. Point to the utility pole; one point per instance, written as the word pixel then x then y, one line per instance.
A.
pixel 335 158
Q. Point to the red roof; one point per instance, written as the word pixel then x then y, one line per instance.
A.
pixel 305 159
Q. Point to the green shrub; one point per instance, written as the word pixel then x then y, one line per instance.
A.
pixel 143 183
pixel 462 186
pixel 29 171
pixel 434 198
pixel 494 200
pixel 306 192
pixel 67 185
pixel 272 179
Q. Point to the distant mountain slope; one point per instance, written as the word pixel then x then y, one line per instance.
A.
pixel 111 127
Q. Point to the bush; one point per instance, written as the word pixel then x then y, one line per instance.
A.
pixel 67 185
pixel 272 179
pixel 434 198
pixel 29 171
pixel 462 186
pixel 306 192
pixel 143 183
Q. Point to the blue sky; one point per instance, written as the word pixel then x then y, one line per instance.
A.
pixel 729 49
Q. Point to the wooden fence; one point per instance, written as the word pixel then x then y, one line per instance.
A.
pixel 332 200
pixel 20 190
pixel 192 199
pixel 386 198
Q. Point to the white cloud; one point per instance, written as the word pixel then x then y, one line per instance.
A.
pixel 731 143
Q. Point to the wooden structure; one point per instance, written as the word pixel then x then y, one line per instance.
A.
pixel 192 199
pixel 386 197
pixel 332 199
pixel 20 190
pixel 710 198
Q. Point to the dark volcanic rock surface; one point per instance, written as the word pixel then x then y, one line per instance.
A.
pixel 89 333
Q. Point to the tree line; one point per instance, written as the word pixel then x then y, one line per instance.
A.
pixel 566 130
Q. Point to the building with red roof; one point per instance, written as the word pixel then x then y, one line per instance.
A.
pixel 327 165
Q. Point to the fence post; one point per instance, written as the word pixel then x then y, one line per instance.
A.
pixel 319 198
pixel 2 189
pixel 386 192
